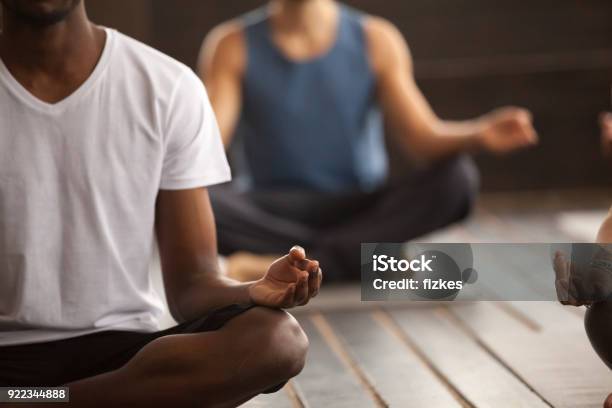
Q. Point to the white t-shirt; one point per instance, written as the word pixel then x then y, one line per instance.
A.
pixel 78 185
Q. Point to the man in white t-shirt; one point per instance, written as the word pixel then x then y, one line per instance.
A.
pixel 103 143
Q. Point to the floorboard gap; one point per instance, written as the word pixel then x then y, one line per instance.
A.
pixel 518 316
pixel 332 340
pixel 295 395
pixel 474 336
pixel 387 322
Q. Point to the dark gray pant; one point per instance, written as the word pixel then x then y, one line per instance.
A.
pixel 332 226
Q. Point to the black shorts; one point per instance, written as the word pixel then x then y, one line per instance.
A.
pixel 60 362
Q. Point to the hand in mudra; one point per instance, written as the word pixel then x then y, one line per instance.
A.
pixel 291 281
pixel 584 280
pixel 506 130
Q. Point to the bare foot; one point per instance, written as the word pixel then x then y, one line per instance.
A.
pixel 608 403
pixel 247 267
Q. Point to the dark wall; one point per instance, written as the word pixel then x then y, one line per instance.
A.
pixel 132 17
pixel 552 56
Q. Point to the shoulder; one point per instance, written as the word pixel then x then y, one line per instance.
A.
pixel 224 46
pixel 151 79
pixel 380 29
pixel 229 35
pixel 153 65
pixel 386 44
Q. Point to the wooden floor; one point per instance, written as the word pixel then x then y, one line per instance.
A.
pixel 481 354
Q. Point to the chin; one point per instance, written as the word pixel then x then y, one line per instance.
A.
pixel 40 12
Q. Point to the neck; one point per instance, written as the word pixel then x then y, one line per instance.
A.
pixel 50 48
pixel 304 15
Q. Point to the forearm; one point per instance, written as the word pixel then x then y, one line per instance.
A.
pixel 420 131
pixel 501 131
pixel 412 119
pixel 449 138
pixel 205 293
pixel 444 139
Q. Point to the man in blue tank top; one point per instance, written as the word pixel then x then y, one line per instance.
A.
pixel 311 84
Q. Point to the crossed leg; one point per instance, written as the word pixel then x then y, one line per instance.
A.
pixel 252 353
pixel 333 226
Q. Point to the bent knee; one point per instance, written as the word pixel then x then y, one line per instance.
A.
pixel 597 323
pixel 280 340
pixel 262 343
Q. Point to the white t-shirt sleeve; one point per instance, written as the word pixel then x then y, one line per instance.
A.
pixel 194 154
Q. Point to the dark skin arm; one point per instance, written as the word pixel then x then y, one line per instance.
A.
pixel 187 241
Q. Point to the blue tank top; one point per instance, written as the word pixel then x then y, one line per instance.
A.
pixel 312 125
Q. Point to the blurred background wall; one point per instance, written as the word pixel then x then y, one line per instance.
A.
pixel 552 56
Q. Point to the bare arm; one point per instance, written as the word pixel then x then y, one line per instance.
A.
pixel 188 249
pixel 412 119
pixel 221 66
pixel 186 235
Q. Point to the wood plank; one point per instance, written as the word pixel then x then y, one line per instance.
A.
pixel 397 373
pixel 327 381
pixel 505 279
pixel 583 225
pixel 559 365
pixel 523 227
pixel 477 375
pixel 551 316
pixel 511 273
pixel 529 276
pixel 279 399
pixel 532 227
pixel 530 273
